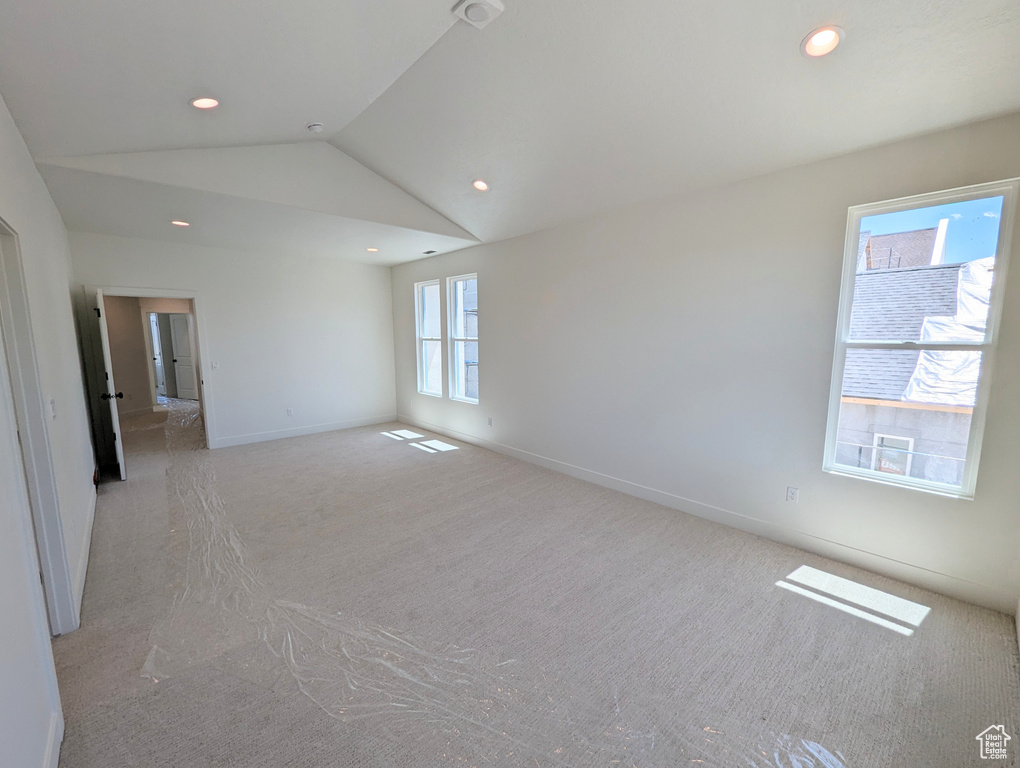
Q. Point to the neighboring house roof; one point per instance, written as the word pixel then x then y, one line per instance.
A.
pixel 891 305
pixel 878 374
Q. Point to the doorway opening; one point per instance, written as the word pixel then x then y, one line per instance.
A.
pixel 145 358
pixel 170 346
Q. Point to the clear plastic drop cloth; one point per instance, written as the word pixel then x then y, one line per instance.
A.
pixel 454 705
pixel 950 377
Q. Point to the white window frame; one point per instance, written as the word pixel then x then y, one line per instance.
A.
pixel 875 448
pixel 1008 189
pixel 453 339
pixel 420 339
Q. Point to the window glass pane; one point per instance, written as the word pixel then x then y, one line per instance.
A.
pixel 432 368
pixel 893 454
pixel 465 366
pixel 907 412
pixel 925 274
pixel 465 309
pixel 428 303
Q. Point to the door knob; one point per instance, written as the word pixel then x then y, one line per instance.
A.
pixel 108 396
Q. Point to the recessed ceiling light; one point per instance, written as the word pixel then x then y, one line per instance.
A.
pixel 204 102
pixel 372 250
pixel 822 41
pixel 179 223
pixel 314 127
pixel 480 185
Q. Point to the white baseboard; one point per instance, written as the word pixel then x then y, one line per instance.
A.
pixel 83 560
pixel 261 437
pixel 53 739
pixel 962 589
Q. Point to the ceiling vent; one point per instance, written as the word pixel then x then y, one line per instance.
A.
pixel 478 13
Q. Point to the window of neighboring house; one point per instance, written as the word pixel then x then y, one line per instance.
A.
pixel 463 306
pixel 918 324
pixel 430 339
pixel 892 454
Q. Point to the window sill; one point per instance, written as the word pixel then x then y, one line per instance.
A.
pixel 914 485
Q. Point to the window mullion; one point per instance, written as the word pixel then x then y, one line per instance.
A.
pixel 921 346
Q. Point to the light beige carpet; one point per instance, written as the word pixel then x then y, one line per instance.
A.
pixel 346 599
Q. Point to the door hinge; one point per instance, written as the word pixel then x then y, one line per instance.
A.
pixel 107 376
pixel 98 313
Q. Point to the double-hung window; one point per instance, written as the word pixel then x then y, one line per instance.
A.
pixel 919 309
pixel 429 337
pixel 463 311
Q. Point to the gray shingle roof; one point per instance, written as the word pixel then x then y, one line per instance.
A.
pixel 878 374
pixel 890 305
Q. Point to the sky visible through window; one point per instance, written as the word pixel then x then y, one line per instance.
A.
pixel 972 233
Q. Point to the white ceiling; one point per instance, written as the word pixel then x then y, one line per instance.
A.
pixel 85 77
pixel 567 108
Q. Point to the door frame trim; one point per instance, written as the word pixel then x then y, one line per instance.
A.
pixel 150 350
pixel 30 409
pixel 205 392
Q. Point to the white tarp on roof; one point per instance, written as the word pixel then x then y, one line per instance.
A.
pixel 950 378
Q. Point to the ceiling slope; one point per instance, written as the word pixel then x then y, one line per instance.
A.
pixel 85 77
pixel 580 106
pixel 126 207
pixel 314 176
pixel 567 108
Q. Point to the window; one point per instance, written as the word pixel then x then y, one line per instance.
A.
pixel 463 304
pixel 918 315
pixel 892 454
pixel 430 341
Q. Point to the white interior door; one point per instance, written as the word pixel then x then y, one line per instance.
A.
pixel 111 395
pixel 184 359
pixel 157 354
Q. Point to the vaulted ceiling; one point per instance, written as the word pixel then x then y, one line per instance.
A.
pixel 567 108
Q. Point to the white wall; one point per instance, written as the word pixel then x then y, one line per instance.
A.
pixel 129 353
pixel 30 722
pixel 181 306
pixel 682 350
pixel 285 331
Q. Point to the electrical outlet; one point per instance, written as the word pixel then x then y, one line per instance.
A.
pixel 792 494
pixel 490 421
pixel 290 411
